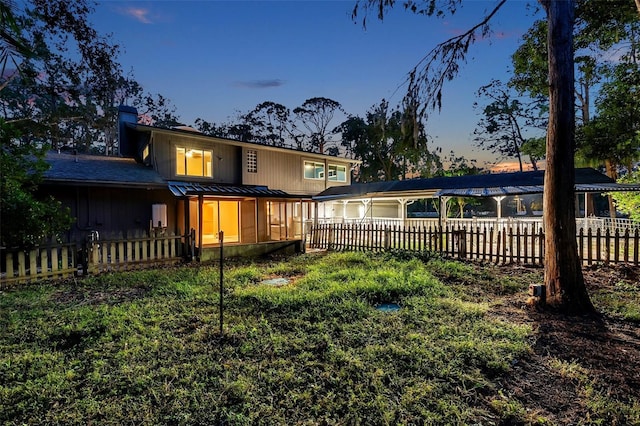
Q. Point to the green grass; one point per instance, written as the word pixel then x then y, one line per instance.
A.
pixel 144 348
pixel 622 300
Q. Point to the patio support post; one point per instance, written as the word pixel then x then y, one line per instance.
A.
pixel 344 211
pixel 200 207
pixel 499 206
pixel 403 210
pixel 442 213
pixel 586 210
pixel 366 205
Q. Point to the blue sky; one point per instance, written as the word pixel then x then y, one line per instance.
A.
pixel 213 59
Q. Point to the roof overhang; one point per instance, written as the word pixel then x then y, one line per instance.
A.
pixel 185 189
pixel 530 190
pixel 486 185
pixel 104 184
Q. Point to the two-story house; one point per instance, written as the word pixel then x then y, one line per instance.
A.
pixel 183 182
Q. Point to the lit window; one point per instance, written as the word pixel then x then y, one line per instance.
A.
pixel 194 162
pixel 252 161
pixel 337 173
pixel 313 170
pixel 145 154
pixel 220 216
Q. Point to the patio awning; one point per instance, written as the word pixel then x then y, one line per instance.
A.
pixel 182 189
pixel 484 185
pixel 531 189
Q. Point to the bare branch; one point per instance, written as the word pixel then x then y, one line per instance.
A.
pixel 441 64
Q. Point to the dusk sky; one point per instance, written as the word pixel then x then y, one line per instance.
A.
pixel 213 59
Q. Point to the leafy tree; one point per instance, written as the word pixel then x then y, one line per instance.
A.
pixel 71 75
pixel 25 219
pixel 271 123
pixel 13 46
pixel 315 115
pixel 157 110
pixel 505 121
pixel 211 129
pixel 564 281
pixel 628 202
pixel 68 91
pixel 386 143
pixel 613 134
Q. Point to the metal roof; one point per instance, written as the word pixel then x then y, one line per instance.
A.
pixel 485 185
pixel 182 189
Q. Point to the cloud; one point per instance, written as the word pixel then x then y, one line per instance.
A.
pixel 259 84
pixel 139 14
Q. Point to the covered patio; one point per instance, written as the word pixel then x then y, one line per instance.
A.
pixel 516 201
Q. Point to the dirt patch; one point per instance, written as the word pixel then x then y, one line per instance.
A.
pixel 573 356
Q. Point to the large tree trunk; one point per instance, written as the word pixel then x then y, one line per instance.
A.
pixel 565 287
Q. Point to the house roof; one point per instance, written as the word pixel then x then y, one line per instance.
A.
pixel 93 169
pixel 127 173
pixel 181 189
pixel 486 185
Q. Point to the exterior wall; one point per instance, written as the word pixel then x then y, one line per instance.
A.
pixel 285 171
pixel 226 158
pixel 276 168
pixel 355 209
pixel 113 211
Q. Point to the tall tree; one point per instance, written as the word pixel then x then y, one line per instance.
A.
pixel 315 115
pixel 387 145
pixel 25 219
pixel 506 123
pixel 271 124
pixel 600 26
pixel 564 281
pixel 565 287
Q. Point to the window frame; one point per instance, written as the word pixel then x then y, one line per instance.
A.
pixel 314 164
pixel 207 172
pixel 335 178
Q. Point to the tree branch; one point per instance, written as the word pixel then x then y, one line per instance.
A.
pixel 441 64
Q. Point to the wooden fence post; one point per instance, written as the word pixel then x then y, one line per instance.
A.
pixel 387 238
pixel 330 237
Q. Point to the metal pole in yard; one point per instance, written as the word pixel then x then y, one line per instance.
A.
pixel 221 239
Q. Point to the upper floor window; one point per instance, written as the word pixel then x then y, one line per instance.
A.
pixel 337 173
pixel 194 162
pixel 252 161
pixel 313 170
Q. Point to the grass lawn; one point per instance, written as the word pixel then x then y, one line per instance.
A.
pixel 144 347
